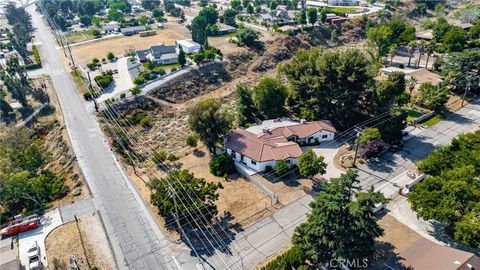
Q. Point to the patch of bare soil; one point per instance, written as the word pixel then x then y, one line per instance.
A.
pixel 50 128
pixel 239 197
pixel 397 237
pixel 119 45
pixel 85 240
pixel 278 50
pixel 197 83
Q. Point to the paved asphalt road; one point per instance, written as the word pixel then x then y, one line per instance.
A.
pixel 136 240
pixel 419 146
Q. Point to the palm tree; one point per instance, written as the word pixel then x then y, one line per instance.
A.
pixel 421 47
pixel 411 85
pixel 392 50
pixel 411 48
pixel 429 51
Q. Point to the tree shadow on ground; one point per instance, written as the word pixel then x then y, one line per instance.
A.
pixel 205 241
pixel 384 256
pixel 439 231
pixel 198 153
pixel 290 179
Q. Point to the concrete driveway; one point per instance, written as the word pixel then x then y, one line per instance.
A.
pixel 50 221
pixel 328 151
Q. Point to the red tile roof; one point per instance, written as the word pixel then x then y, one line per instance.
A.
pixel 274 144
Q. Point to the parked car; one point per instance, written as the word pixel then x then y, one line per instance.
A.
pixel 20 225
pixel 33 253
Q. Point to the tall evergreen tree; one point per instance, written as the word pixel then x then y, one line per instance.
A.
pixel 199 30
pixel 342 224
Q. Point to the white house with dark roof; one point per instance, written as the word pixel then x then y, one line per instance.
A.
pixel 262 146
pixel 161 54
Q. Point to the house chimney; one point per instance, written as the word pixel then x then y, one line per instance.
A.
pixel 303 121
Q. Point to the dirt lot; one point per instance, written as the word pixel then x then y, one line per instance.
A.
pixel 238 196
pixel 99 49
pixel 66 241
pixel 397 237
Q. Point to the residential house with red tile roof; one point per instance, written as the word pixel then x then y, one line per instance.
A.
pixel 262 146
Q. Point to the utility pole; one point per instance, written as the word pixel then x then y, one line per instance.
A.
pixel 466 91
pixel 359 132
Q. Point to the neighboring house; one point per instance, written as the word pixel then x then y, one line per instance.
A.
pixel 128 31
pixel 426 255
pixel 224 29
pixel 262 146
pixel 188 46
pixel 161 54
pixel 421 75
pixel 282 14
pixel 267 18
pixel 424 76
pixel 111 27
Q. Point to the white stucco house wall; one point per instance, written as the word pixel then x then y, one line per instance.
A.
pixel 188 46
pixel 262 146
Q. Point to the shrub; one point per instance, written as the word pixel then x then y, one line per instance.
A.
pixel 122 95
pixel 221 164
pixel 172 157
pixel 88 95
pixel 139 80
pixel 110 56
pixel 159 157
pixel 36 55
pixel 281 168
pixel 146 121
pixel 91 66
pixel 192 140
pixel 104 80
pixel 290 259
pixel 370 149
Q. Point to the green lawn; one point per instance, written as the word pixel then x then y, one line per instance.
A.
pixel 166 67
pixel 413 114
pixel 432 121
pixel 341 9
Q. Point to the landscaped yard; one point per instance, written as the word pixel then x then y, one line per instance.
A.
pixel 413 114
pixel 341 9
pixel 166 67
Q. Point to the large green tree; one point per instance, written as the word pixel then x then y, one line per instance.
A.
pixel 246 110
pixel 182 196
pixel 210 14
pixel 331 85
pixel 309 164
pixel 452 193
pixel 461 71
pixel 432 97
pixel 269 97
pixel 209 121
pixel 380 38
pixel 342 224
pixel 455 39
pixel 199 30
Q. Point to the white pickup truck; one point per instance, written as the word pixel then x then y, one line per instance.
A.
pixel 33 253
